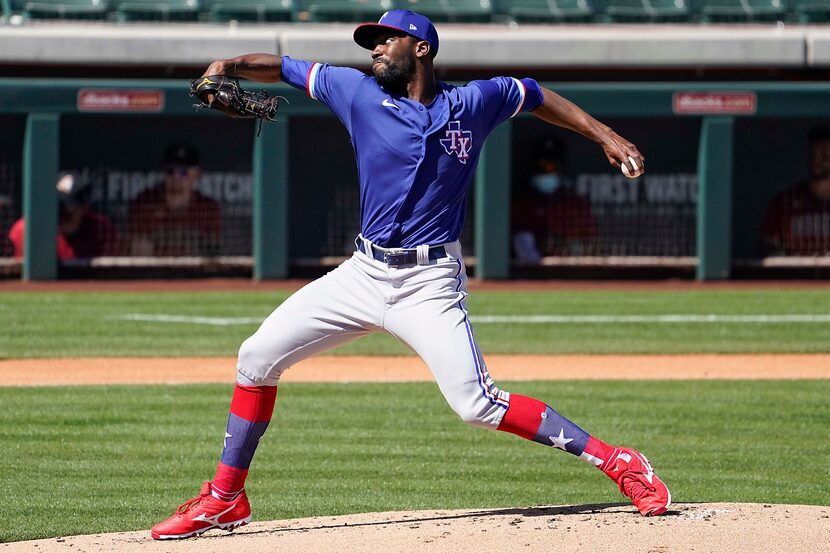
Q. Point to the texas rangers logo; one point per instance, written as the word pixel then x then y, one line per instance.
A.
pixel 458 142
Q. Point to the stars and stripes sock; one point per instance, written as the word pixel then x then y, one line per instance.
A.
pixel 533 420
pixel 251 410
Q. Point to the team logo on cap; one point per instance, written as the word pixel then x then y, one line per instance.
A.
pixel 458 141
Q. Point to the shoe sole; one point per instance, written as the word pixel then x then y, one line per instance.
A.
pixel 229 526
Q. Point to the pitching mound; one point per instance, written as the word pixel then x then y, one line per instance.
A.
pixel 686 527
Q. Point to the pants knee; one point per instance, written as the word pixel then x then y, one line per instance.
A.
pixel 477 411
pixel 254 366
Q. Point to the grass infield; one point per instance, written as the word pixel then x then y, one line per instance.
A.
pixel 80 460
pixel 78 324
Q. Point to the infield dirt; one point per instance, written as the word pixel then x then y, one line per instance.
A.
pixel 686 527
pixel 150 370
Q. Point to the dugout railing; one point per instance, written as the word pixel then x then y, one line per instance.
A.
pixel 717 107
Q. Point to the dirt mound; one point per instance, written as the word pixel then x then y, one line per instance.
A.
pixel 686 527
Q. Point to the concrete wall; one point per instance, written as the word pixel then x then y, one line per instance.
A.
pixel 474 46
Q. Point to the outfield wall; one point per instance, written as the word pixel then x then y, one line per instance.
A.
pixel 288 200
pixel 281 192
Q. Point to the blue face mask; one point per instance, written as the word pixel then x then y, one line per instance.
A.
pixel 546 183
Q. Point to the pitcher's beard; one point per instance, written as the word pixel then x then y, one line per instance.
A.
pixel 395 76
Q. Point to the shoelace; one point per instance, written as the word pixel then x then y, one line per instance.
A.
pixel 633 487
pixel 189 504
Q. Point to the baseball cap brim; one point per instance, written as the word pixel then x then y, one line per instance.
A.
pixel 365 35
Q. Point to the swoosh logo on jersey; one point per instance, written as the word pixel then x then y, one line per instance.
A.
pixel 389 104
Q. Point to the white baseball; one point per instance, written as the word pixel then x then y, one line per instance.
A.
pixel 625 171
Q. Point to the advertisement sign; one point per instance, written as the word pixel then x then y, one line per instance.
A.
pixel 120 100
pixel 714 103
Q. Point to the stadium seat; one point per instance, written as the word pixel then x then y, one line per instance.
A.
pixel 450 10
pixel 61 9
pixel 158 10
pixel 812 11
pixel 249 10
pixel 742 10
pixel 342 10
pixel 545 10
pixel 634 11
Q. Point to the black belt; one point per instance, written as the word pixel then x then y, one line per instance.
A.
pixel 398 257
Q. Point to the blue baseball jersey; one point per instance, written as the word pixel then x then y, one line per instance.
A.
pixel 415 163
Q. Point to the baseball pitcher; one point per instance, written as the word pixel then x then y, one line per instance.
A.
pixel 417 142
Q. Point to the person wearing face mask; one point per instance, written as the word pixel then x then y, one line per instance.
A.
pixel 548 217
pixel 797 221
pixel 174 218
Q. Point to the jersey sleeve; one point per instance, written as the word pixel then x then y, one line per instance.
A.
pixel 336 87
pixel 506 97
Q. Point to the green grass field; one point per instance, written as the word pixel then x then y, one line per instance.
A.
pixel 86 324
pixel 108 458
pixel 98 459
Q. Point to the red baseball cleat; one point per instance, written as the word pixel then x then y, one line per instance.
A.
pixel 202 513
pixel 633 474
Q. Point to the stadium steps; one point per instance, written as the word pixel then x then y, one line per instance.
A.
pixel 739 11
pixel 342 10
pixel 654 11
pixel 462 11
pixel 248 10
pixel 544 11
pixel 60 9
pixel 158 10
pixel 452 11
pixel 811 11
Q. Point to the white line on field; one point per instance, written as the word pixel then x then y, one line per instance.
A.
pixel 682 318
pixel 213 321
pixel 526 319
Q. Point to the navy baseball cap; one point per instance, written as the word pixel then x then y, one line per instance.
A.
pixel 411 23
pixel 181 154
pixel 73 190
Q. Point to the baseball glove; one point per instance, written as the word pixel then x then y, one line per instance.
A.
pixel 225 94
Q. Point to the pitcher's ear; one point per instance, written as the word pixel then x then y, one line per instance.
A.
pixel 423 49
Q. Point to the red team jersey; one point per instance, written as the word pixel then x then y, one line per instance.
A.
pixel 561 223
pixel 94 237
pixel 192 230
pixel 797 223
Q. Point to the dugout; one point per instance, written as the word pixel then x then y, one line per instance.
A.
pixel 716 154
